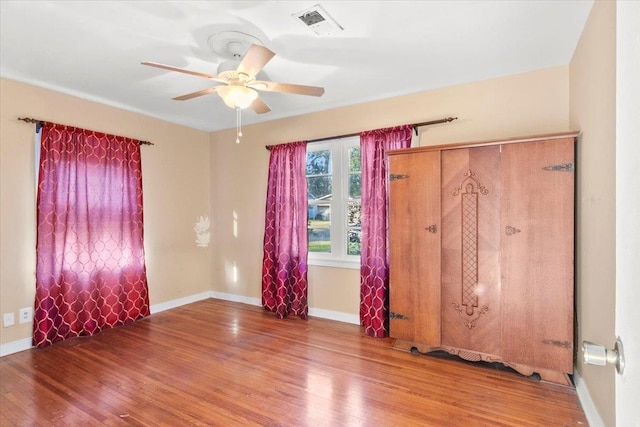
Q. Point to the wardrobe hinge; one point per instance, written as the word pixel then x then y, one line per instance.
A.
pixel 564 167
pixel 398 316
pixel 395 176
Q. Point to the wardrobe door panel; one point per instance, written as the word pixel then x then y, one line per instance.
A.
pixel 537 256
pixel 414 236
pixel 471 305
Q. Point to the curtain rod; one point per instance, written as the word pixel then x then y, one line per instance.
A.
pixel 415 129
pixel 39 123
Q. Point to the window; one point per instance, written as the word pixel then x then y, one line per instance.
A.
pixel 333 183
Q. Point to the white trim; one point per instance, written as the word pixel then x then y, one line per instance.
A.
pixel 335 263
pixel 627 209
pixel 315 312
pixel 236 298
pixel 157 308
pixel 15 346
pixel 589 408
pixel 334 315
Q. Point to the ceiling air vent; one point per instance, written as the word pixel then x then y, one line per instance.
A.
pixel 318 20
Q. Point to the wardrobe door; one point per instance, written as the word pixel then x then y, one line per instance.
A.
pixel 414 237
pixel 471 249
pixel 537 253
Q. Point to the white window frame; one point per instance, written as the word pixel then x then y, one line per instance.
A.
pixel 338 256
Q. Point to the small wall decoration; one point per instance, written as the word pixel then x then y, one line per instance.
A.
pixel 201 228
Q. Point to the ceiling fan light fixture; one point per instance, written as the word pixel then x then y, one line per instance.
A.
pixel 237 96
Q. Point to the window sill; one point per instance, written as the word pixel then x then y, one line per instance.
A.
pixel 335 263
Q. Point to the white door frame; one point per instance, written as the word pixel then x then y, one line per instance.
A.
pixel 628 208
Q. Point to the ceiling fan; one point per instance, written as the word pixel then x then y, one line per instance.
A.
pixel 240 85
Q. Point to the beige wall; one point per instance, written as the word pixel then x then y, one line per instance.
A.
pixel 176 191
pixel 519 105
pixel 593 110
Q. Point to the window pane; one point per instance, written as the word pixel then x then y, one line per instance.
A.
pixel 355 188
pixel 354 159
pixel 353 230
pixel 319 236
pixel 353 242
pixel 318 162
pixel 319 188
pixel 320 212
pixel 318 170
pixel 353 214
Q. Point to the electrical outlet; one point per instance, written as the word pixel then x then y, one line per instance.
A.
pixel 8 320
pixel 25 315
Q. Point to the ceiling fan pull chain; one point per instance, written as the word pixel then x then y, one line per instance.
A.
pixel 238 131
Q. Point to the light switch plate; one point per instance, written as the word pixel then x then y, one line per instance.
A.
pixel 8 320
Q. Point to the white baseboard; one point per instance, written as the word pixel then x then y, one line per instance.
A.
pixel 589 408
pixel 236 298
pixel 335 315
pixel 25 343
pixel 15 346
pixel 167 305
pixel 315 312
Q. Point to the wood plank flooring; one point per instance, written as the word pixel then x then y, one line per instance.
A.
pixel 219 363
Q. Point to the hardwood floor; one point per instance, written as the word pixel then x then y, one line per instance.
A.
pixel 221 363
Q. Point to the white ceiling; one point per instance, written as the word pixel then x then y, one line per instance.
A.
pixel 93 49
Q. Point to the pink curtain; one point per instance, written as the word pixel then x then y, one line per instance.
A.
pixel 90 272
pixel 284 264
pixel 374 256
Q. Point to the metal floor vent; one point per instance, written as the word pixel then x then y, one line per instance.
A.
pixel 318 20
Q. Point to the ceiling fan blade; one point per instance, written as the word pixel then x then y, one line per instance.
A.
pixel 196 94
pixel 259 106
pixel 254 60
pixel 180 70
pixel 185 71
pixel 287 88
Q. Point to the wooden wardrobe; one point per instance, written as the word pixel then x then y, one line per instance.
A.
pixel 482 249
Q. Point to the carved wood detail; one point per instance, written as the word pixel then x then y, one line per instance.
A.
pixel 469 219
pixel 472 356
pixel 548 375
pixel 469 176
